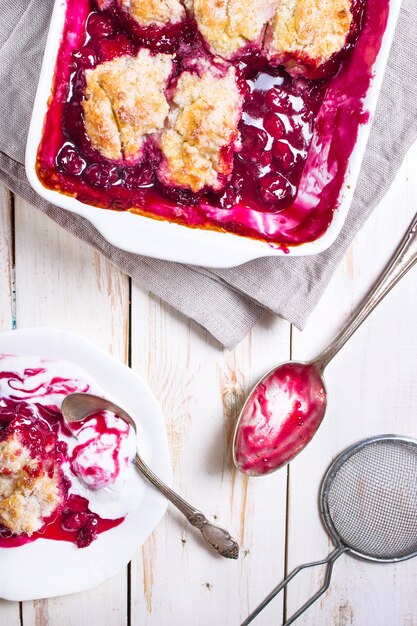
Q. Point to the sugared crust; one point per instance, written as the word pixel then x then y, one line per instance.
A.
pixel 134 88
pixel 205 113
pixel 309 29
pixel 229 25
pixel 99 119
pixel 157 12
pixel 28 495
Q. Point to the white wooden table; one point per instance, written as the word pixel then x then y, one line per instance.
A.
pixel 47 277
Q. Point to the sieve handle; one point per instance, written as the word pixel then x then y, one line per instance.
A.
pixel 329 561
pixel 403 259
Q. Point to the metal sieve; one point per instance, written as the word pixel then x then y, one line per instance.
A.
pixel 368 503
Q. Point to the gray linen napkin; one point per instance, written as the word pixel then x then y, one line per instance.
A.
pixel 227 302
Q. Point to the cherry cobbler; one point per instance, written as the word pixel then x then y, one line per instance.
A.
pixel 31 478
pixel 234 115
pixel 54 485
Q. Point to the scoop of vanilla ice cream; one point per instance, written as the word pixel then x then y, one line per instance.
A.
pixel 101 461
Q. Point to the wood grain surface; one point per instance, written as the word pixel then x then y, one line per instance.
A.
pixel 47 277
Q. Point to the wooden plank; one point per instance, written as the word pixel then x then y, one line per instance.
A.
pixel 64 283
pixel 9 611
pixel 6 259
pixel 372 390
pixel 176 579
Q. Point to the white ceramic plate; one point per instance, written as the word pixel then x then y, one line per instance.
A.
pixel 170 241
pixel 46 567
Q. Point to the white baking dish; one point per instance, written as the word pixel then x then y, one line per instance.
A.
pixel 174 242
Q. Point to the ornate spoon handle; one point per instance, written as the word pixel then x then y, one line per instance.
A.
pixel 403 259
pixel 217 537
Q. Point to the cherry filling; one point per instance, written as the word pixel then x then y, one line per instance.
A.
pixel 79 520
pixel 266 195
pixel 37 428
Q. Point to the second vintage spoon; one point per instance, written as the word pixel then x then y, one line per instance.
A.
pixel 286 407
pixel 78 406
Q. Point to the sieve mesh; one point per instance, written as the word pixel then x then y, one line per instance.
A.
pixel 371 499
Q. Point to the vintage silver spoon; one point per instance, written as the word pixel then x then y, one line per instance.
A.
pixel 78 406
pixel 285 408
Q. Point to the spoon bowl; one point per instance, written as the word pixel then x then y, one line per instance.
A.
pixel 279 418
pixel 78 406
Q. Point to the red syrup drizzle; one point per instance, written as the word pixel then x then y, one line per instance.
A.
pixel 56 385
pixel 280 418
pixel 38 428
pixel 297 134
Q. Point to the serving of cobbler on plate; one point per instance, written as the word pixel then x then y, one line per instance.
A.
pixel 56 483
pixel 73 509
pixel 230 115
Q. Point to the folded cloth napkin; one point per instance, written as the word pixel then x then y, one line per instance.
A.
pixel 227 302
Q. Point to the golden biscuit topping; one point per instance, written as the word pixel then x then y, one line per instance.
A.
pixel 205 113
pixel 230 25
pixel 28 493
pixel 125 103
pixel 100 121
pixel 309 29
pixel 157 12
